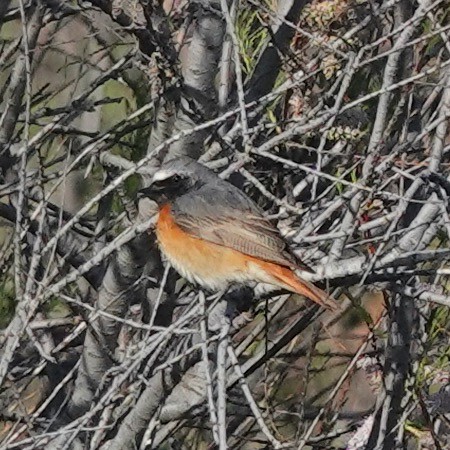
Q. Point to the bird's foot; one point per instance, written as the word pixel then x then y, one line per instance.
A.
pixel 240 305
pixel 242 319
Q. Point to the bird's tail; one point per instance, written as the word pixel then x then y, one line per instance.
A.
pixel 290 281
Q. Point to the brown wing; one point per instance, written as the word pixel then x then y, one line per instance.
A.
pixel 223 215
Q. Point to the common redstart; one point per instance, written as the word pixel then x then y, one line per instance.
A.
pixel 215 235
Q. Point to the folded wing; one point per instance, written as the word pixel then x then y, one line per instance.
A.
pixel 234 222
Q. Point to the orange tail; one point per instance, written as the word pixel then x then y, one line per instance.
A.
pixel 289 280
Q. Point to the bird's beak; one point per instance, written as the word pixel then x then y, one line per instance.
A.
pixel 148 192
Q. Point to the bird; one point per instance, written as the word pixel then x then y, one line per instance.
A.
pixel 215 236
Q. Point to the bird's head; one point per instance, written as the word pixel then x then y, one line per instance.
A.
pixel 175 178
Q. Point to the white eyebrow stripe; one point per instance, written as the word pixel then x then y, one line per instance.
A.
pixel 161 175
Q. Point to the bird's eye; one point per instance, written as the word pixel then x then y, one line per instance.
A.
pixel 176 179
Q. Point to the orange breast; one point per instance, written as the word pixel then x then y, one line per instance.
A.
pixel 211 265
pixel 215 266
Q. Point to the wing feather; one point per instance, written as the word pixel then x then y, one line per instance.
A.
pixel 235 222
